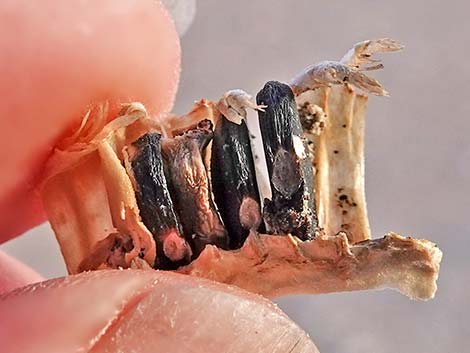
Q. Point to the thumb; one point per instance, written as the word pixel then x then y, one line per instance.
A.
pixel 143 311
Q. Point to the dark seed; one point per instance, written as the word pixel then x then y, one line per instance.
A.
pixel 233 180
pixel 292 208
pixel 155 204
pixel 190 188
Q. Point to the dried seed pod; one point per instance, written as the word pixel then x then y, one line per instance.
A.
pixel 292 208
pixel 190 187
pixel 233 180
pixel 155 203
pixel 91 203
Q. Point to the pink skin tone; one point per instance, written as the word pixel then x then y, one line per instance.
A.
pixel 115 51
pixel 143 311
pixel 52 70
pixel 57 57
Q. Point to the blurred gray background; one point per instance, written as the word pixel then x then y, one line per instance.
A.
pixel 417 148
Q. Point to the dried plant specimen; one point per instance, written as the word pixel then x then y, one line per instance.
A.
pixel 176 193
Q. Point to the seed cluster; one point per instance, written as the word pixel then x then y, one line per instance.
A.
pixel 185 209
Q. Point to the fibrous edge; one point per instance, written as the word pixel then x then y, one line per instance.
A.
pixel 276 266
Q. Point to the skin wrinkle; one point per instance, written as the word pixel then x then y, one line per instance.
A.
pixel 127 307
pixel 173 318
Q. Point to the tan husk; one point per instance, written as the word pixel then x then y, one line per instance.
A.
pixel 339 161
pixel 88 195
pixel 91 204
pixel 280 265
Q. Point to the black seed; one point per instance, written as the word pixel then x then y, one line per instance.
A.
pixel 189 186
pixel 292 208
pixel 155 204
pixel 233 180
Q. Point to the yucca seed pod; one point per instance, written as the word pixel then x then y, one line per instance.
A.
pixel 90 194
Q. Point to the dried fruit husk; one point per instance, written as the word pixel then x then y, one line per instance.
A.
pixel 91 205
pixel 276 266
pixel 88 196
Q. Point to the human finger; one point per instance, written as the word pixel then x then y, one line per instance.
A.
pixel 14 274
pixel 143 311
pixel 58 57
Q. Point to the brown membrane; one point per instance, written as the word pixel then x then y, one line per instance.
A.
pixel 88 195
pixel 190 187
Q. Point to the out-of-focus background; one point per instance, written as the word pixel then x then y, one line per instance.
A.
pixel 417 148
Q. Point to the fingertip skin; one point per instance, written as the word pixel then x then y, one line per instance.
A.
pixel 14 274
pixel 56 59
pixel 143 311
